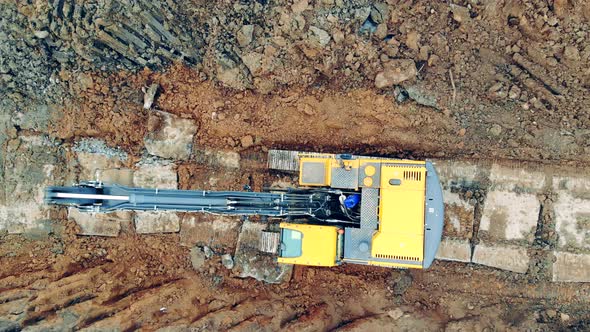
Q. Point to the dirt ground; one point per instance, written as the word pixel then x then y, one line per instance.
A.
pixel 503 80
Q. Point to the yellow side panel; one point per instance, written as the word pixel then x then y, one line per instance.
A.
pixel 319 245
pixel 401 214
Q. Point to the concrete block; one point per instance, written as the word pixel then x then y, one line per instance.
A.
pixel 99 161
pixel 458 173
pixel 92 163
pixel 458 250
pixel 572 220
pixel 216 158
pixel 250 262
pixel 570 267
pixel 172 137
pixel 156 174
pixel 121 176
pixel 459 216
pixel 516 177
pixel 572 212
pixel 510 258
pixel 210 230
pixel 31 164
pixel 510 216
pixel 150 222
pixel 24 217
pixel 99 224
pixel 578 185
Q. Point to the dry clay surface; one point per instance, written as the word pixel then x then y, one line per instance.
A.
pixel 206 88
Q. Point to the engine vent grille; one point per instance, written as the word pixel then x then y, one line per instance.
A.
pixel 412 175
pixel 398 257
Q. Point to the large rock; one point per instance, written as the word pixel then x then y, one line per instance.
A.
pixel 504 257
pixel 253 61
pixel 250 262
pixel 320 36
pixel 244 35
pixel 197 258
pixel 92 165
pixel 232 74
pixel 395 72
pixel 170 136
pixel 569 267
pixel 454 250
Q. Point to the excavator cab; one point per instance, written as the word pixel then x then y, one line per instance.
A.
pixel 314 245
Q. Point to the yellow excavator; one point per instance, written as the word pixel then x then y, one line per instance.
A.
pixel 347 208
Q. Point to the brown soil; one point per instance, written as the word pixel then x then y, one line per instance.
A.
pixel 506 80
pixel 320 119
pixel 147 282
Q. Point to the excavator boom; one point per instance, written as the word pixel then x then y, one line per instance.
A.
pixel 93 196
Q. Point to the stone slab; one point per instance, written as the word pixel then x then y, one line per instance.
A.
pixel 121 176
pixel 170 136
pixel 25 217
pixel 218 158
pixel 153 222
pixel 31 163
pixel 569 267
pixel 159 174
pixel 99 224
pixel 577 185
pixel 459 216
pixel 510 216
pixel 209 230
pixel 516 177
pixel 457 173
pixel 92 164
pixel 458 250
pixel 509 258
pixel 252 263
pixel 572 212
